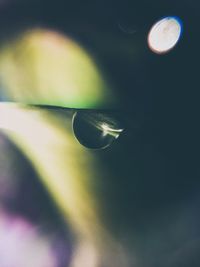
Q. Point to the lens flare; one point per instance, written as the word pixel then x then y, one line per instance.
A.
pixel 164 34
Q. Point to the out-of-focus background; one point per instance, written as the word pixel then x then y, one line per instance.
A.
pixel 77 75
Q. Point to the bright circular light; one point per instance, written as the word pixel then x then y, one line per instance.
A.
pixel 164 34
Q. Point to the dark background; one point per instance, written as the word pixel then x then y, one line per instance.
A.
pixel 155 186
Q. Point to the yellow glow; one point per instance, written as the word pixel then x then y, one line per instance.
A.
pixel 57 158
pixel 67 171
pixel 45 67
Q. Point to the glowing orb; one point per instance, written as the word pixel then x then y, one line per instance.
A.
pixel 164 34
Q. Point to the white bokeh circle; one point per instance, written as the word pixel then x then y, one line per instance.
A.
pixel 164 34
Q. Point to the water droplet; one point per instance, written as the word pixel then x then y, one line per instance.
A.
pixel 95 130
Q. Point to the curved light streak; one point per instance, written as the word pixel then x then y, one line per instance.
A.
pixel 65 169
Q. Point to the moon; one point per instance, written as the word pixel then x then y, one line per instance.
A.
pixel 164 34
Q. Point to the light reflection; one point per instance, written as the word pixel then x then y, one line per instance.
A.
pixel 95 130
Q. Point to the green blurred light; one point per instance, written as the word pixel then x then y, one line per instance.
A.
pixel 44 67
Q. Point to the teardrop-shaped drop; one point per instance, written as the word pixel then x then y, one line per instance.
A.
pixel 95 130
